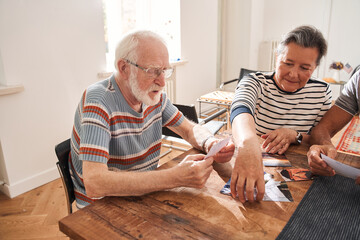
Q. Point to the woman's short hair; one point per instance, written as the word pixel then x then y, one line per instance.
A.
pixel 305 36
pixel 127 46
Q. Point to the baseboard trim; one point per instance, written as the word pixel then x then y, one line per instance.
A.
pixel 29 183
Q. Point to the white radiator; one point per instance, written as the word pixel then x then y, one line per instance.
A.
pixel 170 89
pixel 170 85
pixel 267 55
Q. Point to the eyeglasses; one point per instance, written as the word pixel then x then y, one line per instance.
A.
pixel 154 72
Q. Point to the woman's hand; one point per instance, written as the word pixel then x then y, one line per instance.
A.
pixel 279 140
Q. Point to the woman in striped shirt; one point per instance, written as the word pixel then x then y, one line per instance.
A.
pixel 280 106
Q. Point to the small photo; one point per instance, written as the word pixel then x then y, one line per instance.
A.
pixel 298 174
pixel 275 160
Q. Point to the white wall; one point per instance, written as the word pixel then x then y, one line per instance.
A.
pixel 55 49
pixel 291 14
pixel 237 40
pixel 344 35
pixel 199 21
pixel 269 20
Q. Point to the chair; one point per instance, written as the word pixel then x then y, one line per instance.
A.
pixel 243 72
pixel 62 151
pixel 221 97
pixel 357 68
pixel 189 112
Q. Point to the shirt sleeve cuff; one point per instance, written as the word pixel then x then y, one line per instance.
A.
pixel 237 111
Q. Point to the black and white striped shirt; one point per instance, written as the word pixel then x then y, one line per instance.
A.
pixel 274 108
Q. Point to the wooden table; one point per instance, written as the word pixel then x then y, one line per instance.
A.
pixel 186 213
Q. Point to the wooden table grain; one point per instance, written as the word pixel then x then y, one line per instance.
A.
pixel 187 213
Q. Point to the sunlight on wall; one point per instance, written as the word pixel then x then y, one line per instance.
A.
pixel 122 16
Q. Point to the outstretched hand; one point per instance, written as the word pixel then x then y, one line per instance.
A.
pixel 247 175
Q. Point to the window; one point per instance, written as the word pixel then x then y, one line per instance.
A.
pixel 161 16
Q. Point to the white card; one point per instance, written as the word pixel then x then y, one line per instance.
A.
pixel 340 168
pixel 217 147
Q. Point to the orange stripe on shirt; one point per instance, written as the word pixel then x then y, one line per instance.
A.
pixel 94 152
pixel 121 119
pixel 76 136
pixel 175 119
pixel 83 197
pixel 98 111
pixel 151 109
pixel 133 160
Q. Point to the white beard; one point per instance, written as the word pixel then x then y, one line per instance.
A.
pixel 141 95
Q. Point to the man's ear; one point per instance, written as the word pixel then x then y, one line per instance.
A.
pixel 124 69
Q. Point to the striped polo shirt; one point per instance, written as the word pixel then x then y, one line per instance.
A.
pixel 107 130
pixel 273 108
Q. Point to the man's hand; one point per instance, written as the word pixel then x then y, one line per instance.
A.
pixel 279 140
pixel 225 154
pixel 247 174
pixel 316 164
pixel 193 171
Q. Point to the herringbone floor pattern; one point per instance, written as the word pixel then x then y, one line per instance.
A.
pixel 35 214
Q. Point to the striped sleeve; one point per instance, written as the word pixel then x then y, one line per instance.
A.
pixel 246 96
pixel 95 131
pixel 326 106
pixel 171 116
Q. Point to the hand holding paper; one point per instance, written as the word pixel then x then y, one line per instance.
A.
pixel 217 147
pixel 341 169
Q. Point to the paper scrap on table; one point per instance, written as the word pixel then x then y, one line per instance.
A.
pixel 217 147
pixel 275 191
pixel 340 168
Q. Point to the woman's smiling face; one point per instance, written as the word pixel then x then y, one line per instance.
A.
pixel 294 67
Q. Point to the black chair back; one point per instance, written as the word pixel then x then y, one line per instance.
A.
pixel 357 68
pixel 189 112
pixel 62 151
pixel 244 72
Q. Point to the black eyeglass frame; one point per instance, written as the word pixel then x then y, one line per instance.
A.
pixel 153 72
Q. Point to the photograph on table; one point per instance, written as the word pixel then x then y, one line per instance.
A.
pixel 275 160
pixel 296 174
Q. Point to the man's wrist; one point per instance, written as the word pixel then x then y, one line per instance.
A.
pixel 205 143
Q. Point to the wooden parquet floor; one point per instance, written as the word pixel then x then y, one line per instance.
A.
pixel 35 214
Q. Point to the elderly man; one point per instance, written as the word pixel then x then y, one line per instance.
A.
pixel 346 106
pixel 116 138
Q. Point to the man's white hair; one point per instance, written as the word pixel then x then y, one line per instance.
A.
pixel 127 46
